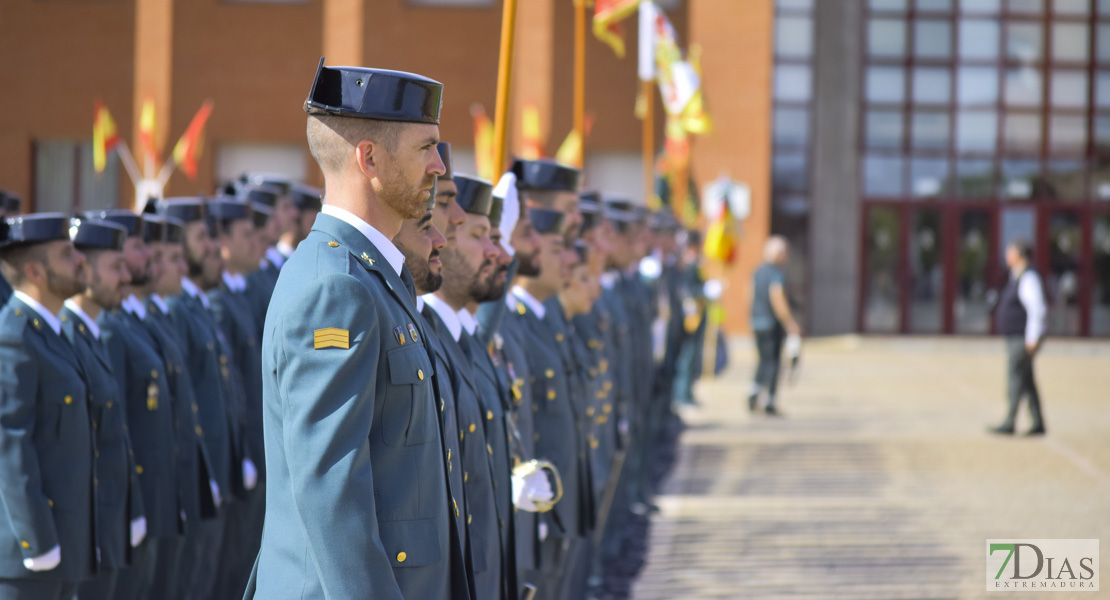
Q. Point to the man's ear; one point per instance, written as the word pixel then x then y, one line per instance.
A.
pixel 34 272
pixel 368 155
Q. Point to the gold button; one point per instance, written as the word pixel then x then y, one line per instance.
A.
pixel 456 505
pixel 472 428
pixel 550 394
pixel 466 476
pixel 442 404
pixel 401 556
pixel 69 399
pixel 469 518
pixel 489 449
pixel 80 328
pixel 199 430
pixel 590 411
pixel 109 404
pixel 489 415
pixel 37 324
pixel 25 544
pixel 448 454
pixel 154 374
pixel 336 245
pixel 535 437
pixel 420 374
pixel 550 373
pixel 462 434
pixel 139 469
pixel 223 359
pixel 558 337
pixel 50 502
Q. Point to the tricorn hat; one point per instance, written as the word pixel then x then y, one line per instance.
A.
pixel 35 228
pixel 374 94
pixel 96 234
pixel 475 195
pixel 134 223
pixel 545 174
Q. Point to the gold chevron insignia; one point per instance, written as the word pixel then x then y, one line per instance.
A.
pixel 332 338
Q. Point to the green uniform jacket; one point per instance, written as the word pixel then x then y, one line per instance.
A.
pixel 483 522
pixel 194 466
pixel 233 314
pixel 141 375
pixel 118 498
pixel 356 487
pixel 46 451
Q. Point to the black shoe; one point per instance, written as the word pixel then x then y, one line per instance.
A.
pixel 1002 430
pixel 1035 431
pixel 771 411
pixel 752 401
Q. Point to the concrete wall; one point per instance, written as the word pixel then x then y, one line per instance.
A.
pixel 834 218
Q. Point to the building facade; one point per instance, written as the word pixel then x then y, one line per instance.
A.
pixel 914 139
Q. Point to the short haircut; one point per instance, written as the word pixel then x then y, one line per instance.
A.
pixel 1023 247
pixel 12 261
pixel 774 247
pixel 331 139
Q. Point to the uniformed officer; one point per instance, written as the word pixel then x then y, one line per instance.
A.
pixel 46 468
pixel 306 199
pixel 230 306
pixel 357 498
pixel 186 490
pixel 269 192
pixel 9 207
pixel 120 521
pixel 691 292
pixel 467 262
pixel 421 242
pixel 207 362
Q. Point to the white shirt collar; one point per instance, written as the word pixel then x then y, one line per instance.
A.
pixel 191 288
pixel 450 319
pixel 286 249
pixel 51 319
pixel 510 301
pixel 392 255
pixel 160 302
pixel 468 322
pixel 609 279
pixel 235 282
pixel 275 257
pixel 91 324
pixel 530 301
pixel 134 306
pixel 419 304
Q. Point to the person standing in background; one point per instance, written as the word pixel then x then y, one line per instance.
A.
pixel 771 321
pixel 1021 318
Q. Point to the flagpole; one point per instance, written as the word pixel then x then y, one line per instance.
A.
pixel 580 78
pixel 128 162
pixel 504 80
pixel 646 69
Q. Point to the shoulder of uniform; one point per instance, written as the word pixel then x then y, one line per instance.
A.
pixel 14 320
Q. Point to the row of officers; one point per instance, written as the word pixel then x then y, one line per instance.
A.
pixel 422 387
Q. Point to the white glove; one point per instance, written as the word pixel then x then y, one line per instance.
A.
pixel 793 346
pixel 542 531
pixel 46 561
pixel 215 492
pixel 713 289
pixel 622 426
pixel 138 531
pixel 510 211
pixel 250 474
pixel 530 488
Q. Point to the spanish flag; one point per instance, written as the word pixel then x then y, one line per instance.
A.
pixel 608 15
pixel 483 144
pixel 720 240
pixel 531 133
pixel 189 147
pixel 571 152
pixel 105 136
pixel 146 127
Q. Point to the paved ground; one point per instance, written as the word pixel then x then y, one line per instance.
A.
pixel 880 481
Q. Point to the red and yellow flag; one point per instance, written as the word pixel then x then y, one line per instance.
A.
pixel 483 144
pixel 105 136
pixel 146 128
pixel 571 151
pixel 531 133
pixel 608 15
pixel 189 147
pixel 720 240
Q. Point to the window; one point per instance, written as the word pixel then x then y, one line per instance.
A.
pixel 65 179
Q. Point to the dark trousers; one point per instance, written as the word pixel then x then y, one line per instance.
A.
pixel 242 537
pixel 1020 382
pixel 101 587
pixel 24 589
pixel 200 558
pixel 133 583
pixel 769 345
pixel 167 564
